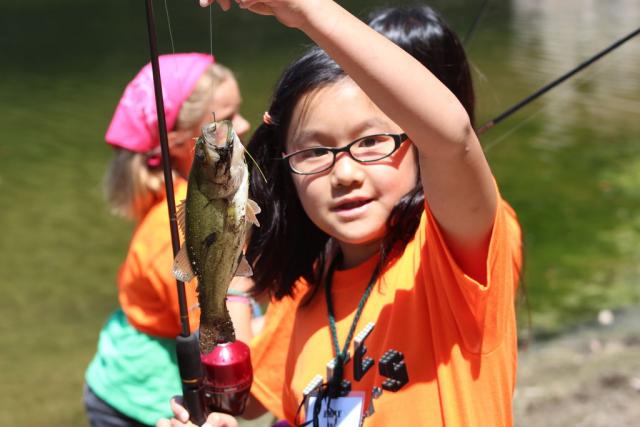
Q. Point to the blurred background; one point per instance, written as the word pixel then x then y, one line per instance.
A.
pixel 569 163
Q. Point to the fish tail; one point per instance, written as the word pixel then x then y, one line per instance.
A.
pixel 215 331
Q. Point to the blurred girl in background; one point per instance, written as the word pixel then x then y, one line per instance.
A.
pixel 134 372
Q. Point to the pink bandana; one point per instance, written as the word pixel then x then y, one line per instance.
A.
pixel 134 125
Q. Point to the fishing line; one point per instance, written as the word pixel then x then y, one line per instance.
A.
pixel 211 28
pixel 255 162
pixel 475 22
pixel 211 47
pixel 504 136
pixel 166 8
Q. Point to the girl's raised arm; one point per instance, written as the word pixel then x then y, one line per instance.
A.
pixel 456 177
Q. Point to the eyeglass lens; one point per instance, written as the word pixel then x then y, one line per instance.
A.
pixel 366 149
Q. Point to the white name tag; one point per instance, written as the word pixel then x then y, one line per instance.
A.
pixel 342 411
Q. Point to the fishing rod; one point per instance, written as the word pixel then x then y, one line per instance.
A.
pixel 491 123
pixel 476 21
pixel 187 346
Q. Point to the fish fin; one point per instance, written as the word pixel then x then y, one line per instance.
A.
pixel 181 216
pixel 182 266
pixel 252 211
pixel 244 269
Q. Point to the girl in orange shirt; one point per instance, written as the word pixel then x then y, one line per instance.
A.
pixel 391 306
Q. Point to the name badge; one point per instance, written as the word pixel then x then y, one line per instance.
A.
pixel 342 411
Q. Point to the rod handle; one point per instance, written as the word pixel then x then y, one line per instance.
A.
pixel 192 375
pixel 193 401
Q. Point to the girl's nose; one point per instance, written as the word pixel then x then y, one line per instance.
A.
pixel 346 171
pixel 240 124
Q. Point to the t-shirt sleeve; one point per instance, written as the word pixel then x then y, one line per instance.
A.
pixel 163 283
pixel 146 286
pixel 480 312
pixel 269 352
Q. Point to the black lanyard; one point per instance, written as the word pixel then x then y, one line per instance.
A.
pixel 341 356
pixel 333 387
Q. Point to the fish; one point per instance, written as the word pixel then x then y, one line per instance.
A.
pixel 214 219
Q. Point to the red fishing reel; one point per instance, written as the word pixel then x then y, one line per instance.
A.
pixel 227 378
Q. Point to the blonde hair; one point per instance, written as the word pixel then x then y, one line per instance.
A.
pixel 131 187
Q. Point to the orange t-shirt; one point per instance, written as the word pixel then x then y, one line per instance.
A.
pixel 146 285
pixel 458 336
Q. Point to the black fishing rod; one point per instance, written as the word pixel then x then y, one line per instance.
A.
pixel 476 21
pixel 187 346
pixel 482 129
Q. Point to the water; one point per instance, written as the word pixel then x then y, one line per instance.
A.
pixel 552 37
pixel 569 163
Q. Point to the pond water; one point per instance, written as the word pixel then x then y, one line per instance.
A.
pixel 569 163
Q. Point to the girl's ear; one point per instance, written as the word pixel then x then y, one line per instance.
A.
pixel 174 136
pixel 181 149
pixel 179 137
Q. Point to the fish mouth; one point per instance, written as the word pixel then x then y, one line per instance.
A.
pixel 217 141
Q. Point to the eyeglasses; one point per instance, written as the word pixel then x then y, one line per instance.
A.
pixel 363 150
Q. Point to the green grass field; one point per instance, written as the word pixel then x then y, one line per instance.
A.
pixel 60 249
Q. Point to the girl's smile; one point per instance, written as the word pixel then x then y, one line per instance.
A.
pixel 352 208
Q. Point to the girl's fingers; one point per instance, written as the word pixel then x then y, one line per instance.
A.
pixel 163 422
pixel 254 4
pixel 220 420
pixel 179 412
pixel 261 9
pixel 290 13
pixel 181 417
pixel 224 4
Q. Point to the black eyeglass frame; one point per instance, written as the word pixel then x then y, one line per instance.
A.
pixel 398 139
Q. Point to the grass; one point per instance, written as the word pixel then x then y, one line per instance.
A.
pixel 576 211
pixel 577 198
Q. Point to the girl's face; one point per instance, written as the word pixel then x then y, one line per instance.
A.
pixel 351 201
pixel 225 103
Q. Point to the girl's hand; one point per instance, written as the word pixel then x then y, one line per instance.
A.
pixel 224 4
pixel 181 418
pixel 292 13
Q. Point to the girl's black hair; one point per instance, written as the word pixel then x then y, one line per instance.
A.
pixel 423 33
pixel 287 245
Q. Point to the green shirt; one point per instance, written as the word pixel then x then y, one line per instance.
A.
pixel 135 373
